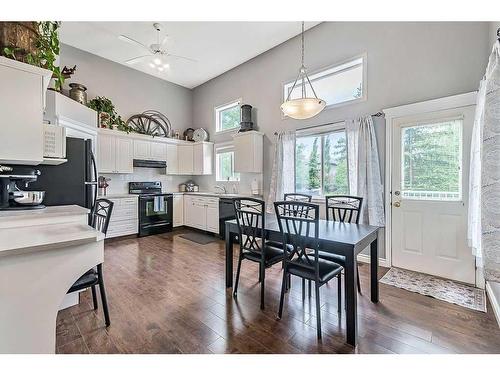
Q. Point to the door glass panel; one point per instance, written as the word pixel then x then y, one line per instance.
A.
pixel 431 161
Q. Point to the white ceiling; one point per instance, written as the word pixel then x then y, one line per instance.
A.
pixel 217 46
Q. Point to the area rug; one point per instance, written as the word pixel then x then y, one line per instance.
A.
pixel 199 238
pixel 443 289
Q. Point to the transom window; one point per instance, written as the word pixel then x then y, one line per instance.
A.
pixel 321 162
pixel 336 85
pixel 431 161
pixel 227 116
pixel 224 164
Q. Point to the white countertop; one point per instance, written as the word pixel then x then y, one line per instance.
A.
pixel 202 193
pixel 42 237
pixel 48 215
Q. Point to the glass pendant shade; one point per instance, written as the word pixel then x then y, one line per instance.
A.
pixel 303 108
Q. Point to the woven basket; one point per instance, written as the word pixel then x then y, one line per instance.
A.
pixel 19 35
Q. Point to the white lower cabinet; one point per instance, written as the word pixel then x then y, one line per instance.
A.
pixel 124 217
pixel 201 213
pixel 178 210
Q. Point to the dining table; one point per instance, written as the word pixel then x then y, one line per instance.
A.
pixel 334 237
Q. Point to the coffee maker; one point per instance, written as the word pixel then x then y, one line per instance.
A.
pixel 11 197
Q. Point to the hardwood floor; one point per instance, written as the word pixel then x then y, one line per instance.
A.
pixel 167 295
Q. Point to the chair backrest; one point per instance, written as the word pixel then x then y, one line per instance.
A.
pixel 343 208
pixel 101 214
pixel 250 216
pixel 297 197
pixel 299 225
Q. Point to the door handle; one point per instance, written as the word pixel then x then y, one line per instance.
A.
pixel 397 204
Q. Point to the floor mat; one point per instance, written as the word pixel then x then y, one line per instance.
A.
pixel 199 238
pixel 443 289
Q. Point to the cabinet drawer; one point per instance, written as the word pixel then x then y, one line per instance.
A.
pixel 122 228
pixel 123 214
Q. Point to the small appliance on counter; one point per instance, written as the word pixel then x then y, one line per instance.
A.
pixel 102 184
pixel 192 187
pixel 182 187
pixel 13 198
pixel 155 207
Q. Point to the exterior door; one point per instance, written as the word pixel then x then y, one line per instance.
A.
pixel 430 177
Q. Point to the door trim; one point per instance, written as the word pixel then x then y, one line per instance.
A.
pixel 448 102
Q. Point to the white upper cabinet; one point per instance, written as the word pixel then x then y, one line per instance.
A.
pixel 158 151
pixel 185 159
pixel 172 159
pixel 142 149
pixel 248 152
pixel 149 150
pixel 115 154
pixel 203 154
pixel 22 100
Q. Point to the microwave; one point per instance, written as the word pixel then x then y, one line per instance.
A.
pixel 54 141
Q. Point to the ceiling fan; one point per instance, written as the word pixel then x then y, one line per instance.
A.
pixel 157 52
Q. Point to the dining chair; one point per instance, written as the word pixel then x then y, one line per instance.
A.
pixel 299 225
pixel 99 219
pixel 251 220
pixel 298 197
pixel 345 209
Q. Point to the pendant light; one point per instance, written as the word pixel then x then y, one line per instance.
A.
pixel 304 107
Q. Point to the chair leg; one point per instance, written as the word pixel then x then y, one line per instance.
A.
pixel 282 296
pixel 103 295
pixel 289 282
pixel 318 310
pixel 357 278
pixel 339 292
pixel 237 277
pixel 94 297
pixel 310 289
pixel 260 272
pixel 262 282
pixel 303 289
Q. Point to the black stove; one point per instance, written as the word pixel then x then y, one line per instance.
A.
pixel 155 207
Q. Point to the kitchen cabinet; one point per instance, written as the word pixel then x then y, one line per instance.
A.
pixel 178 210
pixel 125 217
pixel 147 150
pixel 172 159
pixel 248 152
pixel 115 154
pixel 203 158
pixel 185 159
pixel 201 213
pixel 22 101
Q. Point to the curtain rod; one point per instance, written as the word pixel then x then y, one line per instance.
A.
pixel 378 114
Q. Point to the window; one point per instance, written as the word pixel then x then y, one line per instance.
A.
pixel 227 116
pixel 224 164
pixel 336 85
pixel 431 161
pixel 321 162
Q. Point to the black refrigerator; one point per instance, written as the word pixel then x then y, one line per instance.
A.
pixel 73 182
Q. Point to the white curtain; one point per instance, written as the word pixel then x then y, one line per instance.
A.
pixel 364 169
pixel 474 211
pixel 283 175
pixel 490 169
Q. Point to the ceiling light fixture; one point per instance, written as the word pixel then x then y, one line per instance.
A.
pixel 303 107
pixel 157 61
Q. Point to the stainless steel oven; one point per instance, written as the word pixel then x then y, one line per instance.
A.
pixel 155 208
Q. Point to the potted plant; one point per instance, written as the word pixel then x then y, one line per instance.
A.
pixel 45 53
pixel 105 109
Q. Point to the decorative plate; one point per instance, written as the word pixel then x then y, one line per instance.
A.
pixel 188 134
pixel 200 135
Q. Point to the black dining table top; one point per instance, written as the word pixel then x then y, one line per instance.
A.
pixel 332 231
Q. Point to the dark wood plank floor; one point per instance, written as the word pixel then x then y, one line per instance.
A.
pixel 167 295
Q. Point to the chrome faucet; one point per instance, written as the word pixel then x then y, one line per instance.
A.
pixel 221 187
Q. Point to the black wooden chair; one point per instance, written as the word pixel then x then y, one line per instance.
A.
pixel 99 219
pixel 298 197
pixel 299 225
pixel 346 209
pixel 251 219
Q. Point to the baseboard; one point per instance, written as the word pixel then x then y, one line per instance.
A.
pixel 495 303
pixel 363 258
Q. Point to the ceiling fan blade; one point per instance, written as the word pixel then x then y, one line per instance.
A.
pixel 133 41
pixel 136 59
pixel 181 57
pixel 164 41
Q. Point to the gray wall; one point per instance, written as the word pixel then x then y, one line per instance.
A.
pixel 131 91
pixel 407 62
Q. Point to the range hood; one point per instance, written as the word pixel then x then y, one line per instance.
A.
pixel 150 163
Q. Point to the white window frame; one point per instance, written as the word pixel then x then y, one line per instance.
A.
pixel 317 73
pixel 221 149
pixel 221 108
pixel 320 130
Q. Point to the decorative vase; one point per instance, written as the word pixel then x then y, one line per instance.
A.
pixel 78 93
pixel 104 119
